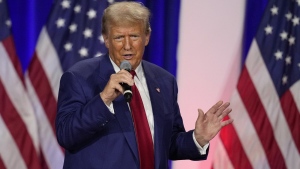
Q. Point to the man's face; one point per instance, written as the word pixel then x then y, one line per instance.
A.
pixel 126 43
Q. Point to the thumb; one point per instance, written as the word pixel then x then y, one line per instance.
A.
pixel 200 114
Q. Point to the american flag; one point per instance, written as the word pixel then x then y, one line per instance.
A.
pixel 266 102
pixel 28 100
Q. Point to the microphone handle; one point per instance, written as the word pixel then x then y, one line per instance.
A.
pixel 127 92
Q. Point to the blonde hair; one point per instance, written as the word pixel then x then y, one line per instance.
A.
pixel 126 13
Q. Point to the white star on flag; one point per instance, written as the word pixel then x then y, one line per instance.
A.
pixel 278 55
pixel 295 21
pixel 77 8
pixel 288 60
pixel 274 10
pixel 284 35
pixel 268 29
pixel 288 16
pixel 65 4
pixel 87 33
pixel 101 39
pixel 60 23
pixel 68 46
pixel 111 1
pixel 83 52
pixel 91 14
pixel 284 79
pixel 73 27
pixel 292 40
pixel 8 23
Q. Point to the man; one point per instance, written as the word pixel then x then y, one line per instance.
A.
pixel 96 125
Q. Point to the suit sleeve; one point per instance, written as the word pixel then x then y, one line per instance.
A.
pixel 182 144
pixel 79 120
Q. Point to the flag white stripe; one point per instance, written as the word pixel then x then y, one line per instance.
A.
pixel 51 150
pixel 295 90
pixel 18 96
pixel 49 60
pixel 221 157
pixel 261 78
pixel 9 151
pixel 247 134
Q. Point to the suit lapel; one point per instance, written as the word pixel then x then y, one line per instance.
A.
pixel 125 121
pixel 156 99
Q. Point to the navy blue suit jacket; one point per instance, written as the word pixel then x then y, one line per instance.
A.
pixel 95 138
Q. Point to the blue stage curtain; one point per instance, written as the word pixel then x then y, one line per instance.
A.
pixel 162 49
pixel 28 18
pixel 254 12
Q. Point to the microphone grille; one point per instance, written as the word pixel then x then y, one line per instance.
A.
pixel 125 65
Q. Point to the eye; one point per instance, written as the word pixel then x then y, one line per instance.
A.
pixel 134 37
pixel 119 38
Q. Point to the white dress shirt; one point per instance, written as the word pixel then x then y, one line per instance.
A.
pixel 141 84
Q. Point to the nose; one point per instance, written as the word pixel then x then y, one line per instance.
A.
pixel 127 43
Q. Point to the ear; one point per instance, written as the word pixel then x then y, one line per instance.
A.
pixel 147 38
pixel 105 38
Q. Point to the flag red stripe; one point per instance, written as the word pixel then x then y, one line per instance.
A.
pixel 43 163
pixel 10 49
pixel 292 116
pixel 11 117
pixel 18 130
pixel 43 90
pixel 2 164
pixel 232 142
pixel 260 120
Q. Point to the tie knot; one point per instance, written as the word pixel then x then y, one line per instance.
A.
pixel 132 72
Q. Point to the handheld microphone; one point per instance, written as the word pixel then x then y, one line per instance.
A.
pixel 127 89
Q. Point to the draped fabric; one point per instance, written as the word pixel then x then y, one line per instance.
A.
pixel 266 102
pixel 39 40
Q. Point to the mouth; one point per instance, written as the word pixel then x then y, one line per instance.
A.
pixel 128 56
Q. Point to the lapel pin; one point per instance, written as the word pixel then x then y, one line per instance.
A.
pixel 158 90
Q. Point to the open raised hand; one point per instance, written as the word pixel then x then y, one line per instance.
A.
pixel 210 123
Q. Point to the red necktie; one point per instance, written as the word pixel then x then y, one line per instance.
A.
pixel 142 130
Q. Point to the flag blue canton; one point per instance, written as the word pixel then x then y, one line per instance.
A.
pixel 75 30
pixel 5 22
pixel 280 27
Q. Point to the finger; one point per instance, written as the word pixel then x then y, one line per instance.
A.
pixel 224 113
pixel 226 122
pixel 214 108
pixel 119 88
pixel 125 72
pixel 111 88
pixel 222 108
pixel 127 80
pixel 123 77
